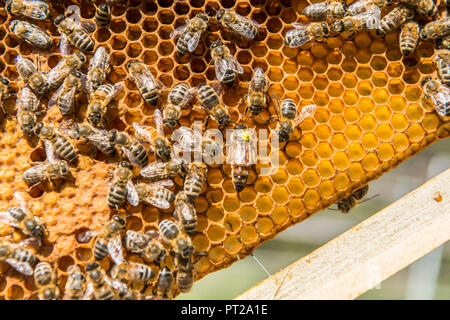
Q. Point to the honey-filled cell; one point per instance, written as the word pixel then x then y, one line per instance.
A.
pixel 371 116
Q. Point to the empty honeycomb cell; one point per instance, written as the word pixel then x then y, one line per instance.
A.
pixel 369 141
pixel 384 132
pixel 118 42
pixel 326 189
pixel 341 160
pixel 150 214
pixel 310 178
pixel 424 50
pixel 385 151
pixel 335 90
pixel 216 254
pixel 337 122
pixel 393 53
pixel 118 26
pixel 333 56
pixel 365 88
pixel 264 204
pixel 413 93
pixel 83 254
pixel 307 140
pixel 319 50
pixel 150 41
pixel 379 79
pixel 150 25
pixel 353 132
pixel 293 149
pixel 321 115
pixel 364 72
pixel 380 95
pixel 274 25
pixel 248 214
pixel 411 76
pixel 334 74
pixel 397 103
pixel 248 194
pixel 202 223
pixel 415 132
pixel 200 242
pixel 280 195
pixel 14 292
pixel 426 66
pixel 399 122
pixel 320 82
pixel 291 83
pixel 215 233
pixel 378 63
pixel 165 3
pixel 395 69
pixel 64 263
pixel 215 214
pixel 296 207
pixel 370 162
pixel 355 151
pixel 338 141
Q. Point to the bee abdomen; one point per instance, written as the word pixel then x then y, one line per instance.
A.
pixel 139 153
pixel 151 96
pixel 208 97
pixel 395 19
pixel 240 176
pixel 17 213
pixel 288 109
pixel 193 186
pixel 229 77
pixel 23 255
pixel 43 274
pixel 100 249
pixel 81 40
pixel 185 280
pixel 116 195
pixel 65 105
pixel 65 149
pixel 177 94
pixel 103 15
pixel 144 273
pixel 105 294
pixel 409 37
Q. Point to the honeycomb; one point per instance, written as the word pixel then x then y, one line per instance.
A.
pixel 371 117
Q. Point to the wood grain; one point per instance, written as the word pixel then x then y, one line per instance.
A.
pixel 370 252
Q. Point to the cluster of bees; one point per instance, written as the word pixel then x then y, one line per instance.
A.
pixel 173 236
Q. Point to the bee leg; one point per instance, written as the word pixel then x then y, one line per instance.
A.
pixel 33 186
pixel 6 112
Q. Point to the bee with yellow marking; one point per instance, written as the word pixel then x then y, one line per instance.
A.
pixel 99 101
pixel 364 5
pixel 226 65
pixel 286 125
pixel 156 194
pixel 145 81
pixel 75 33
pixel 45 279
pixel 17 257
pixel 109 241
pixel 409 37
pixel 394 19
pixel 423 7
pixel 246 27
pixel 159 144
pixel 145 244
pixel 439 94
pixel 34 9
pixel 122 187
pixel 435 29
pixel 28 72
pixel 179 96
pixel 195 179
pixel 59 73
pixel 189 34
pixel 98 69
pixel 65 96
pixel 103 15
pixel 31 34
pixel 75 285
pixel 163 170
pixel 325 10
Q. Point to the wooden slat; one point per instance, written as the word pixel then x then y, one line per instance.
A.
pixel 370 252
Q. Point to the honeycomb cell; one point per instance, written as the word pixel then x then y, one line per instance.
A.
pixel 415 132
pixel 385 151
pixel 280 195
pixel 370 162
pixel 430 122
pixel 295 167
pixel 380 95
pixel 350 97
pixel 296 207
pixel 384 132
pixel 369 141
pixel 264 204
pixel 216 254
pixel 355 151
pixel 337 122
pixel 232 223
pixel 341 181
pixel 232 244
pixel 413 93
pixel 379 79
pixel 309 158
pixel 215 233
pixel 215 214
pixel 353 132
pixel 322 131
pixel 399 122
pixel 326 189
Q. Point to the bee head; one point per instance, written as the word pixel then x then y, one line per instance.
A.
pixel 59 19
pixel 92 266
pixel 220 14
pixel 202 16
pixel 337 26
pixel 104 7
pixel 170 123
pixel 424 81
pixel 94 118
pixel 165 153
pixel 38 231
pixel 38 128
pixel 63 168
pixel 81 56
pixel 126 164
pixel 119 220
pixel 216 44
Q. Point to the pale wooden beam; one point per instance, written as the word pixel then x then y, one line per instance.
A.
pixel 367 254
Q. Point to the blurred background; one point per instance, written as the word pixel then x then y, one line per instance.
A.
pixel 427 278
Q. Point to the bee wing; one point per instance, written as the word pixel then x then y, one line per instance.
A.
pixel 89 292
pixel 299 36
pixel 158 120
pixel 373 14
pixel 158 203
pixel 23 267
pixel 185 141
pixel 36 9
pixel 28 67
pixel 59 72
pixel 241 26
pixel 145 79
pixel 162 183
pixel 132 195
pixel 64 45
pixel 88 26
pixel 306 112
pixel 85 84
pixel 441 100
pixel 116 90
pixel 6 218
pixel 50 152
pixel 178 31
pixel 153 170
pixel 39 37
pixel 234 65
pixel 141 132
pixel 54 98
pixel 19 197
pixel 115 250
pixel 193 42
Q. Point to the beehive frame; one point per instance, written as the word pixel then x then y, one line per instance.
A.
pixel 371 117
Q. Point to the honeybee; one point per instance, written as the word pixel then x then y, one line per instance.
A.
pixel 103 15
pixel 225 64
pixel 185 273
pixel 156 194
pixel 163 170
pixel 187 140
pixel 75 285
pixel 182 245
pixel 325 10
pixel 159 144
pixel 168 231
pixel 394 19
pixel 59 73
pixel 65 96
pixel 132 272
pixel 164 284
pixel 75 33
pixel 17 257
pixel 439 95
pixel 55 142
pixel 363 5
pixel 122 187
pixel 246 27
pixel 364 21
pixel 348 203
pixel 195 179
pixel 100 100
pixel 442 61
pixel 34 9
pixel 22 219
pixel 4 94
pixel 46 171
pixel 435 29
pixel 445 42
pixel 145 81
pixel 132 148
pixel 184 213
pixel 242 153
pixel 286 125
pixel 179 96
pixel 208 95
pixel 45 279
pixel 189 34
pixel 31 34
pixel 423 7
pixel 409 37
pixel 35 79
pixel 98 137
pixel 303 34
pixel 27 106
pixel 98 69
pixel 145 244
pixel 99 284
pixel 257 92
pixel 109 241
